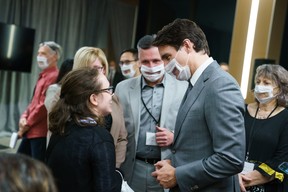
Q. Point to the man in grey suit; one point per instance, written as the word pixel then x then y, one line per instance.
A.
pixel 209 139
pixel 150 103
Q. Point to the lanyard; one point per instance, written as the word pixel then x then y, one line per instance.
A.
pixel 252 130
pixel 157 122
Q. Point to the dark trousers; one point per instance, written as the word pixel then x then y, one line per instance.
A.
pixel 34 147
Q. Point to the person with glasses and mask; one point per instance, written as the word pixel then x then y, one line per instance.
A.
pixel 150 102
pixel 266 123
pixel 129 63
pixel 95 58
pixel 33 122
pixel 209 138
pixel 81 152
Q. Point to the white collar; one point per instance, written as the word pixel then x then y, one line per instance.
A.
pixel 200 70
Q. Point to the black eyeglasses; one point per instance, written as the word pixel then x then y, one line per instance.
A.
pixel 126 62
pixel 109 90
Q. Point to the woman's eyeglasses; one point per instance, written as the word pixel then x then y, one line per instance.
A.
pixel 109 90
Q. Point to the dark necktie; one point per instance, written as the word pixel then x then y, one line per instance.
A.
pixel 189 88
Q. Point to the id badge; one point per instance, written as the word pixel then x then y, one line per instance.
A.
pixel 284 167
pixel 151 139
pixel 248 167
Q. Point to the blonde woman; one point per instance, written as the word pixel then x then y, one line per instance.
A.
pixel 95 58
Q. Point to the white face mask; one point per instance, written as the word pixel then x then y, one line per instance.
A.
pixel 157 72
pixel 129 67
pixel 264 89
pixel 184 72
pixel 42 62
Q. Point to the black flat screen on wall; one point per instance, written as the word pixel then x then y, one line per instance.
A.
pixel 16 47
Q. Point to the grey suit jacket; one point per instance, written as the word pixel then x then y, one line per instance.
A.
pixel 129 94
pixel 209 139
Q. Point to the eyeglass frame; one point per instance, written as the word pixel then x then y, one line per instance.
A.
pixel 107 90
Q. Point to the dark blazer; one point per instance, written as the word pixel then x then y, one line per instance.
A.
pixel 209 138
pixel 118 77
pixel 83 160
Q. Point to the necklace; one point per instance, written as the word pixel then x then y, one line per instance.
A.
pixel 264 116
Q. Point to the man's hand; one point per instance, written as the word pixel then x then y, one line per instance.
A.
pixel 165 174
pixel 243 180
pixel 164 137
pixel 22 127
pixel 22 122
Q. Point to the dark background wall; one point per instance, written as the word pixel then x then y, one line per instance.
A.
pixel 284 50
pixel 214 17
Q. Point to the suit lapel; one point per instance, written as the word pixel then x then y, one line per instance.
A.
pixel 134 96
pixel 192 98
pixel 184 109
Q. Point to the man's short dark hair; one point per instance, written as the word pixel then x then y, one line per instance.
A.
pixel 145 42
pixel 174 34
pixel 131 50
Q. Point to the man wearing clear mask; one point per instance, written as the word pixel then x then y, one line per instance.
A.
pixel 209 137
pixel 33 122
pixel 129 63
pixel 150 103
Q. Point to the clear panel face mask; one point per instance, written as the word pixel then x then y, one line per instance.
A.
pixel 152 74
pixel 260 89
pixel 130 68
pixel 183 73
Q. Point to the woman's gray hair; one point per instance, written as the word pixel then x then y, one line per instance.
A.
pixel 277 74
pixel 53 46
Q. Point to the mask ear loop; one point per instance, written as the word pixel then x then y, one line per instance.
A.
pixel 170 66
pixel 177 65
pixel 186 64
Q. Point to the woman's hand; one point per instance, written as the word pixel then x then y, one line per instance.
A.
pixel 255 178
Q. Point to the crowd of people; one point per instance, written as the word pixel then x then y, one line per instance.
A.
pixel 177 121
